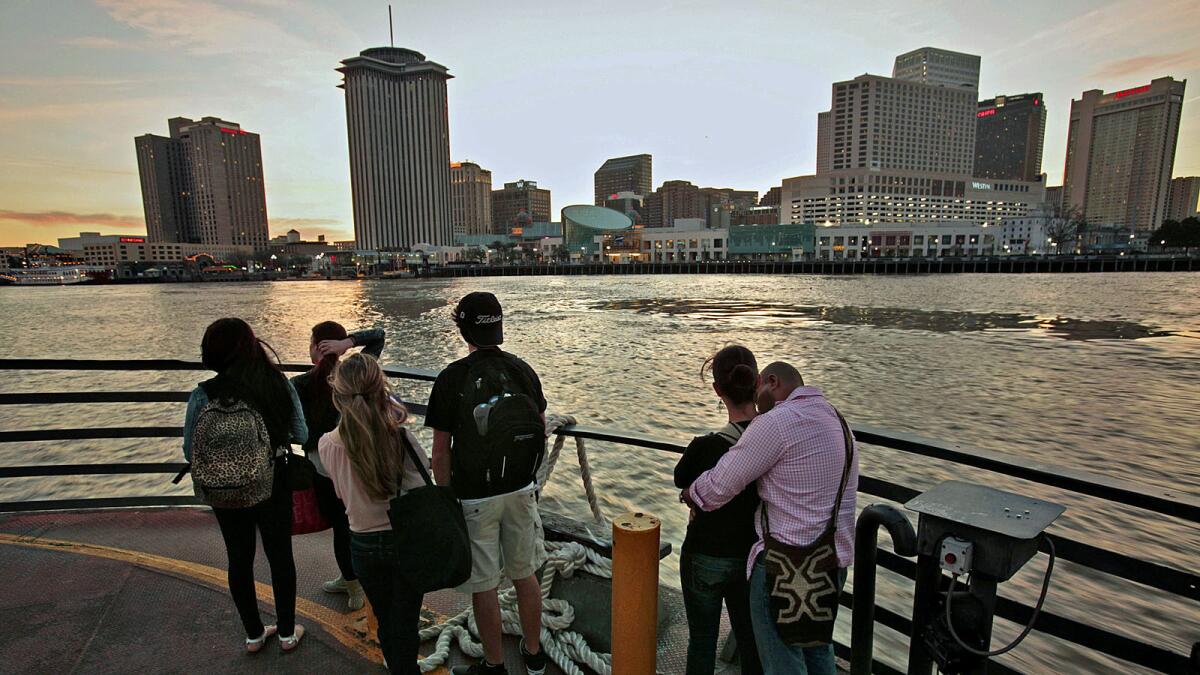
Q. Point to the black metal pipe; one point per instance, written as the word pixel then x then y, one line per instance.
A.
pixel 866 545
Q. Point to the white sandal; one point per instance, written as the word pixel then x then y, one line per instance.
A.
pixel 254 645
pixel 291 642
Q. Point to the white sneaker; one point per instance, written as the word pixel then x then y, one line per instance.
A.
pixel 337 585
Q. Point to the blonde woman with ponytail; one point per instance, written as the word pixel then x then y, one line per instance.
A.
pixel 367 459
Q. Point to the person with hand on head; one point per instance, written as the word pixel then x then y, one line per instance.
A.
pixel 237 428
pixel 712 565
pixel 371 458
pixel 329 341
pixel 489 438
pixel 802 456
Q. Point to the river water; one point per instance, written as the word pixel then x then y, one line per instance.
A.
pixel 1098 372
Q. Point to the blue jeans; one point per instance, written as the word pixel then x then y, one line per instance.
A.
pixel 396 605
pixel 778 657
pixel 707 581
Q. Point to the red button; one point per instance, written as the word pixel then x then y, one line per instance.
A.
pixel 951 558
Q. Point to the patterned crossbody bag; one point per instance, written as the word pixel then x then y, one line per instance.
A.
pixel 802 581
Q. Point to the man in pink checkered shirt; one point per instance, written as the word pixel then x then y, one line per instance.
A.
pixel 796 452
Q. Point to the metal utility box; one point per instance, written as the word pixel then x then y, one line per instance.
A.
pixel 1004 527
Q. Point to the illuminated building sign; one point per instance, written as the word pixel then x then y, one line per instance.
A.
pixel 986 113
pixel 235 132
pixel 1130 92
pixel 976 185
pixel 133 240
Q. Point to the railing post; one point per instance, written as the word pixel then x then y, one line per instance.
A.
pixel 635 594
pixel 866 544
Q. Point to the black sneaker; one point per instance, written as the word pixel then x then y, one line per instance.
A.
pixel 481 668
pixel 535 664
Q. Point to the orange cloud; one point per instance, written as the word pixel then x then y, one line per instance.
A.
pixel 42 219
pixel 1153 64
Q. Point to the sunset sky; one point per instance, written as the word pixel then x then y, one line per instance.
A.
pixel 721 93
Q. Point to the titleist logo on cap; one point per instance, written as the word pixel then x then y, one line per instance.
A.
pixel 485 319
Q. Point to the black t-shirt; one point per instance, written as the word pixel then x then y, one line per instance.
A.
pixel 727 532
pixel 445 400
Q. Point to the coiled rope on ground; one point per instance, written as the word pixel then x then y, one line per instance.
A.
pixel 566 648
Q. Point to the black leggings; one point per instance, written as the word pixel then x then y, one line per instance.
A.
pixel 335 512
pixel 273 519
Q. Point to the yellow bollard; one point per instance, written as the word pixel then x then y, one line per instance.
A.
pixel 635 594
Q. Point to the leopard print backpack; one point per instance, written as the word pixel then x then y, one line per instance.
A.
pixel 231 455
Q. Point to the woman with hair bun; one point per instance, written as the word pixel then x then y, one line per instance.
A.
pixel 712 565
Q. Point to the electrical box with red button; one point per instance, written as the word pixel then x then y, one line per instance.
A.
pixel 956 555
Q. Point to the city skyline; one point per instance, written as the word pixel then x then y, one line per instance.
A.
pixel 90 76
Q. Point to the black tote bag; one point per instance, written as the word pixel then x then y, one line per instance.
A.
pixel 433 549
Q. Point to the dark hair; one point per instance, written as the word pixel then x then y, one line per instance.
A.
pixel 245 370
pixel 734 371
pixel 317 396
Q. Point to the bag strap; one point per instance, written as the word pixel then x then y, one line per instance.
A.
pixel 731 432
pixel 848 440
pixel 413 455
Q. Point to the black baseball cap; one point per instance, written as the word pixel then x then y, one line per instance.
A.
pixel 480 319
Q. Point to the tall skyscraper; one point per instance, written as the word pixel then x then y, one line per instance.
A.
pixel 624 174
pixel 1184 200
pixel 1009 132
pixel 517 198
pixel 1121 152
pixel 470 198
pixel 203 184
pixel 399 137
pixel 825 141
pixel 884 123
pixel 940 67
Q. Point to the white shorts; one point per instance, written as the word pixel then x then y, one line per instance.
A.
pixel 506 539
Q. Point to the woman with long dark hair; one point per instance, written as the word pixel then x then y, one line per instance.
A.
pixel 369 460
pixel 712 564
pixel 238 427
pixel 329 341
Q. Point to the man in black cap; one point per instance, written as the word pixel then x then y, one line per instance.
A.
pixel 487 413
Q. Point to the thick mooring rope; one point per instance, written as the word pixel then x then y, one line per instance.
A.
pixel 565 647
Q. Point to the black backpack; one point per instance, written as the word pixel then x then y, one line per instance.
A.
pixel 500 439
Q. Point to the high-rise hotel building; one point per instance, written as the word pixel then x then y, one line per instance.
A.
pixel 1121 152
pixel 519 204
pixel 1009 134
pixel 399 136
pixel 203 184
pixel 470 199
pixel 902 150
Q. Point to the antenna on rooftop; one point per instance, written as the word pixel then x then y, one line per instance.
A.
pixel 391 34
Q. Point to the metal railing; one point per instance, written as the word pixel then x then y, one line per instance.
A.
pixel 1181 583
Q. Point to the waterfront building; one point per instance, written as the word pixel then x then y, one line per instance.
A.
pixel 688 240
pixel 904 240
pixel 1009 133
pixel 582 224
pixel 1121 153
pixel 124 254
pixel 940 67
pixel 1031 235
pixel 624 174
pixel 399 140
pixel 519 203
pixel 1184 199
pixel 869 197
pixel 203 184
pixel 470 198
